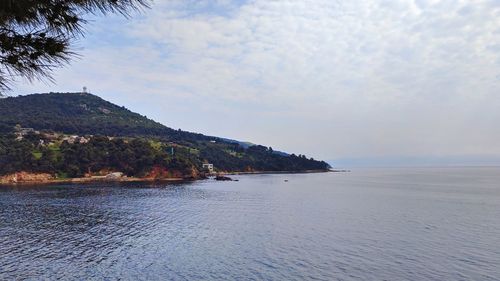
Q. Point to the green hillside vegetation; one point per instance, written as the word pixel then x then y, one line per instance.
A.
pixel 81 113
pixel 112 138
pixel 132 156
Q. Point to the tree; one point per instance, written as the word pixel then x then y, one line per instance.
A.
pixel 36 35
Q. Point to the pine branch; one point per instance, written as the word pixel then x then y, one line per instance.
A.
pixel 36 35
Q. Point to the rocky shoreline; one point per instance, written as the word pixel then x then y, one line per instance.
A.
pixel 45 178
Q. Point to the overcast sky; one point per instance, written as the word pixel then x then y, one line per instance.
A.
pixel 349 81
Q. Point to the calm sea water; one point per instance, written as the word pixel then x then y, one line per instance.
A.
pixel 382 224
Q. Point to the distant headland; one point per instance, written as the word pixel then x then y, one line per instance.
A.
pixel 78 137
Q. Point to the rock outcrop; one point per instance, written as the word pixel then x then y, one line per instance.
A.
pixel 114 176
pixel 26 177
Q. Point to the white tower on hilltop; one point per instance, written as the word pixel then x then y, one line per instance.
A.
pixel 85 90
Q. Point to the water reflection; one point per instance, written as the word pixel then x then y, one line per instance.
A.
pixel 377 224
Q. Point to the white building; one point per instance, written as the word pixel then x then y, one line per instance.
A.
pixel 208 167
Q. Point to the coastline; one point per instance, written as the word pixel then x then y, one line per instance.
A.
pixel 95 179
pixel 104 179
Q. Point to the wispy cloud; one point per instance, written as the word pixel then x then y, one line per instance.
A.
pixel 327 78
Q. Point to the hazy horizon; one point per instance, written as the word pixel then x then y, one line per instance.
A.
pixel 355 83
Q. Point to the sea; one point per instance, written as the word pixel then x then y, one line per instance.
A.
pixel 367 224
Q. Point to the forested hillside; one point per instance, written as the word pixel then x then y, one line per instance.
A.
pixel 81 113
pixel 76 134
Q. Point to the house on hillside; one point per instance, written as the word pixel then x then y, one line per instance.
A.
pixel 51 136
pixel 208 168
pixel 21 132
pixel 71 139
pixel 83 140
pixel 76 139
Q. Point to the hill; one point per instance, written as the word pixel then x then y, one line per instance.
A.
pixel 81 113
pixel 112 138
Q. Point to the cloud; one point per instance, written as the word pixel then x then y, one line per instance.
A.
pixel 333 79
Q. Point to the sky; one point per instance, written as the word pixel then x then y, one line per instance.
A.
pixel 353 82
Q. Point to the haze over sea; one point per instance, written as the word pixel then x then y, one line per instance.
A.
pixel 370 224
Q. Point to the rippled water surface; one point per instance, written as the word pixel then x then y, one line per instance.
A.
pixel 393 224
